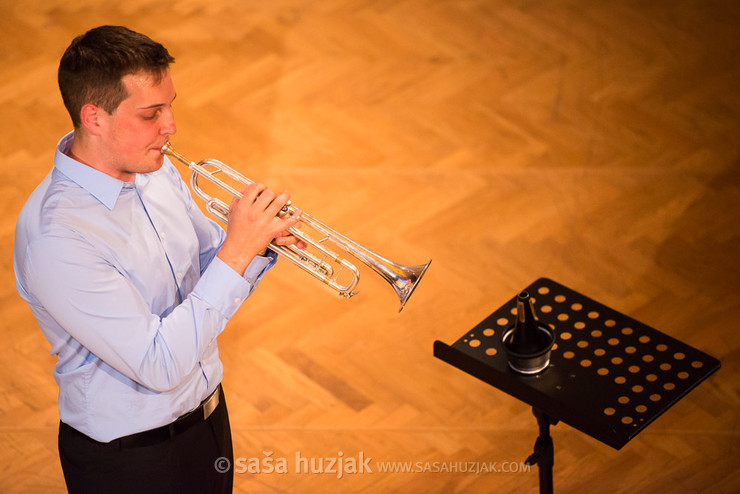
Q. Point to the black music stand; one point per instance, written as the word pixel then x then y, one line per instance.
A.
pixel 609 375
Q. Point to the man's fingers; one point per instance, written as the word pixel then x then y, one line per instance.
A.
pixel 252 191
pixel 277 203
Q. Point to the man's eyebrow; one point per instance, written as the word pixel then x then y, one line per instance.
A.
pixel 156 105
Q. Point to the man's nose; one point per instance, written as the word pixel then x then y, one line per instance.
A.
pixel 168 123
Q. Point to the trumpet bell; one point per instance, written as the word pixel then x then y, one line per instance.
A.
pixel 405 279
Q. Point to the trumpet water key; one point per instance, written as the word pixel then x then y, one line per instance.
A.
pixel 317 258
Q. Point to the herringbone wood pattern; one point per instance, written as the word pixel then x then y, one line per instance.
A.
pixel 596 143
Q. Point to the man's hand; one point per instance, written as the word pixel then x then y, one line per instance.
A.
pixel 254 221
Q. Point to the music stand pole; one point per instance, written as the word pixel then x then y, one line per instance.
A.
pixel 544 451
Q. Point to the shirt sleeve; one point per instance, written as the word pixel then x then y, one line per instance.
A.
pixel 99 307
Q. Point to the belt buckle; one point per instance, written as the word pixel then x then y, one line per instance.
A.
pixel 211 403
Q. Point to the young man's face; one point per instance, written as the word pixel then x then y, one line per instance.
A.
pixel 136 131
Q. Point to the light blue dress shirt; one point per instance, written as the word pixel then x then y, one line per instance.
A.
pixel 125 284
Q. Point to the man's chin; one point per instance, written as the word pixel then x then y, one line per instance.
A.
pixel 154 163
pixel 158 157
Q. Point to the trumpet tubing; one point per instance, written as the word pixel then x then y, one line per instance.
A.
pixel 317 258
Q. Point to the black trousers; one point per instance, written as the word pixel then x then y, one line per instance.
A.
pixel 190 462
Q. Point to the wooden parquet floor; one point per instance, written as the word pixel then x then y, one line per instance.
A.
pixel 595 143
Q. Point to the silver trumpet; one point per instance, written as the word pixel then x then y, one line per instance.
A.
pixel 316 259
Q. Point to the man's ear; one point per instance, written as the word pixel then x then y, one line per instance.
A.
pixel 91 118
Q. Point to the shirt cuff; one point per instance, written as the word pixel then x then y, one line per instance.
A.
pixel 222 288
pixel 259 266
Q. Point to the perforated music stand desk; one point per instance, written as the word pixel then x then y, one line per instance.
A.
pixel 609 376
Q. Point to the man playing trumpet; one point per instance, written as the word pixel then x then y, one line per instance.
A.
pixel 131 283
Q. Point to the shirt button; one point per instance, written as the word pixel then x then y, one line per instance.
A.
pixel 162 235
pixel 237 300
pixel 179 276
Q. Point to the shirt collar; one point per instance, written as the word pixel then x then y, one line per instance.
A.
pixel 103 187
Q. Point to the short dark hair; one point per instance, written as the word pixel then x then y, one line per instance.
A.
pixel 93 65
